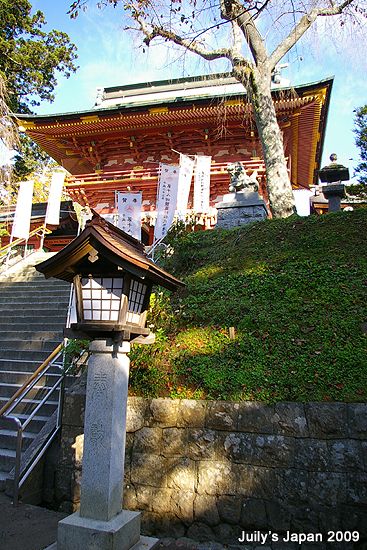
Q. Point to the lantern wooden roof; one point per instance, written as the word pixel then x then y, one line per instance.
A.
pixel 131 129
pixel 114 246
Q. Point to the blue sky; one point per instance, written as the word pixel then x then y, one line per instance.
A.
pixel 107 57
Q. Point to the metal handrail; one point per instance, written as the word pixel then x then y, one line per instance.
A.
pixel 6 250
pixel 21 239
pixel 6 412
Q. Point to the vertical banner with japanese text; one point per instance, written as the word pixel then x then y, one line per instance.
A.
pixel 184 184
pixel 22 216
pixel 167 199
pixel 129 213
pixel 54 199
pixel 202 184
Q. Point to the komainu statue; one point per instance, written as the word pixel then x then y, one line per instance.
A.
pixel 239 178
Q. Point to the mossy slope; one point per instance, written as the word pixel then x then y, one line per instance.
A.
pixel 294 290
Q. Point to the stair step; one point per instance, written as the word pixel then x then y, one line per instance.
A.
pixel 37 392
pixel 28 355
pixel 7 459
pixel 8 439
pixel 27 406
pixel 34 426
pixel 25 365
pixel 36 335
pixel 28 344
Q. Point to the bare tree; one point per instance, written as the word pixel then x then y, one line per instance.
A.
pixel 194 26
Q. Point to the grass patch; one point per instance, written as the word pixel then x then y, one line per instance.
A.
pixel 295 291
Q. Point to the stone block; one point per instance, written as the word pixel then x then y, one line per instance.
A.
pixel 279 516
pixel 290 420
pixel 148 440
pixel 163 412
pixel 253 515
pixel 191 413
pixel 67 449
pixel 129 501
pixel 292 485
pixel 330 518
pixel 136 412
pixel 74 403
pixel 254 482
pixel 354 519
pixel 222 415
pixel 205 510
pixel 229 509
pixel 201 532
pixel 181 474
pixel 256 449
pixel 327 420
pixel 346 455
pixel 304 520
pixel 76 532
pixel 256 417
pixel 148 469
pixel 76 485
pixel 169 526
pixel 311 454
pixel 174 442
pixel 201 444
pixel 182 506
pixel 327 488
pixel 78 447
pixel 357 488
pixel 64 476
pixel 227 534
pixel 216 478
pixel 161 501
pixel 144 497
pixel 129 448
pixel 148 524
pixel 357 420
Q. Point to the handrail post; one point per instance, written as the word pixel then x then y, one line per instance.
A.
pixel 42 238
pixel 17 461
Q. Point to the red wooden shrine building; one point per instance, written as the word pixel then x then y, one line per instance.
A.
pixel 118 144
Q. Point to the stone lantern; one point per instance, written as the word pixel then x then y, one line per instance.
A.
pixel 333 175
pixel 113 280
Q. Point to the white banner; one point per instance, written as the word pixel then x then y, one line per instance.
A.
pixel 202 184
pixel 54 199
pixel 167 199
pixel 184 184
pixel 302 198
pixel 22 216
pixel 129 213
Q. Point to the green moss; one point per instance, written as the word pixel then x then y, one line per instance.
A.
pixel 296 296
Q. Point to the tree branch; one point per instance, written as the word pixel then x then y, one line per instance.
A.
pixel 302 26
pixel 190 45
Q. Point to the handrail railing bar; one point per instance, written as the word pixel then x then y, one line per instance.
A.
pixel 21 239
pixel 28 389
pixel 42 402
pixel 36 372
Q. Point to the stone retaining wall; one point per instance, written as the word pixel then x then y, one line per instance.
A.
pixel 209 470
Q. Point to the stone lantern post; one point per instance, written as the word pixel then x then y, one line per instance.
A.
pixel 113 280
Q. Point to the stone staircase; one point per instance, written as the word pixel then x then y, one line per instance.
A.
pixel 33 313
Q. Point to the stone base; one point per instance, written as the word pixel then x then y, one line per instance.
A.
pixel 144 543
pixel 120 533
pixel 238 209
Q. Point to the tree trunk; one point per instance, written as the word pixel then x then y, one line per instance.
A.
pixel 257 82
